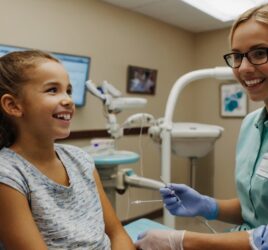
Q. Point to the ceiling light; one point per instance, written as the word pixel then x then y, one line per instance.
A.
pixel 224 10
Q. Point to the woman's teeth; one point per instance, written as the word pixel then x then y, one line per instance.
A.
pixel 253 82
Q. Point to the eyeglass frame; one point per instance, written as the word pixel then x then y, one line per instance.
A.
pixel 242 55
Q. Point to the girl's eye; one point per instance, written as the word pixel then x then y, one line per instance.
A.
pixel 52 90
pixel 69 91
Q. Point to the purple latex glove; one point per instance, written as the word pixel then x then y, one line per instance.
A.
pixel 160 239
pixel 182 200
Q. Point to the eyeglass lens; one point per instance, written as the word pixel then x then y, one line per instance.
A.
pixel 256 57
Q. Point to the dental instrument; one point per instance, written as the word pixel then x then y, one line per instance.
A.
pixel 144 201
pixel 172 191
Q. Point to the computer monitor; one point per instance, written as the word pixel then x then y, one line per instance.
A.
pixel 78 70
pixel 76 66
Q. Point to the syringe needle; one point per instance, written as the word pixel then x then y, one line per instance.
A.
pixel 145 201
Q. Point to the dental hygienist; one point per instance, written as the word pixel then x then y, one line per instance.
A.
pixel 249 60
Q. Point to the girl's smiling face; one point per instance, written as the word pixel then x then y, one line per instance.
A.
pixel 46 102
pixel 250 35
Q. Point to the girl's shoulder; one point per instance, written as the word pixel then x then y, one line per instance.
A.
pixel 9 158
pixel 13 170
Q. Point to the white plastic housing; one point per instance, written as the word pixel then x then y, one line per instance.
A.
pixel 193 139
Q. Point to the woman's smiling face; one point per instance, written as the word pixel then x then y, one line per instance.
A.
pixel 251 35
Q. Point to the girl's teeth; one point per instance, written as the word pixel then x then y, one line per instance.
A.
pixel 64 116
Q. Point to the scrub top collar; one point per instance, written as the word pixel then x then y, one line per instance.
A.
pixel 262 119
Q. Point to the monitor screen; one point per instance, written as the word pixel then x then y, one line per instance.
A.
pixel 78 69
pixel 76 66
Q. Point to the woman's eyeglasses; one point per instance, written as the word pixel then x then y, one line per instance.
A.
pixel 255 56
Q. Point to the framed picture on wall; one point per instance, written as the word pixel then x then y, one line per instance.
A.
pixel 233 100
pixel 141 80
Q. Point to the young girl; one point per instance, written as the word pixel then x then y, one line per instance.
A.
pixel 50 194
pixel 249 60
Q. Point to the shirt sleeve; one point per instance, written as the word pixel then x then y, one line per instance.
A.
pixel 11 176
pixel 258 237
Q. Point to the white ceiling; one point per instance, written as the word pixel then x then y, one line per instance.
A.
pixel 174 12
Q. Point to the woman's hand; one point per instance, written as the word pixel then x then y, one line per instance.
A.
pixel 160 239
pixel 182 200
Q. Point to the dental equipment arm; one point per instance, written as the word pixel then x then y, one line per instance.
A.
pixel 114 104
pixel 221 73
pixel 218 73
pixel 109 88
pixel 91 87
pixel 112 97
pixel 127 177
pixel 141 118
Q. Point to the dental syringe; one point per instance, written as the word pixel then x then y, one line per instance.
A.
pixel 172 191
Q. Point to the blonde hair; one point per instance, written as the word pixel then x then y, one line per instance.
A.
pixel 259 14
pixel 14 73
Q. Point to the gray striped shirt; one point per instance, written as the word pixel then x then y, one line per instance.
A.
pixel 67 217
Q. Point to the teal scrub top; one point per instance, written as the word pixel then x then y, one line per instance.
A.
pixel 252 170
